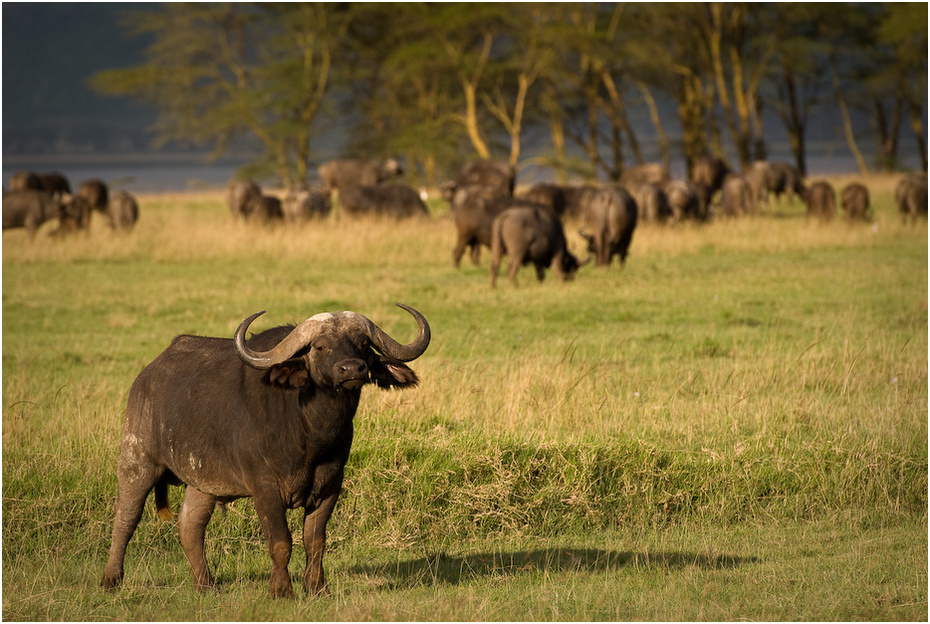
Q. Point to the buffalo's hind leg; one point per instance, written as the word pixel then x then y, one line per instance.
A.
pixel 192 522
pixel 135 481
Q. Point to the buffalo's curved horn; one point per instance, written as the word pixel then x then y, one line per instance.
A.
pixel 390 347
pixel 299 338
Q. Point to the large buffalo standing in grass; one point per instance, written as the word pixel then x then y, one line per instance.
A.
pixel 474 208
pixel 269 418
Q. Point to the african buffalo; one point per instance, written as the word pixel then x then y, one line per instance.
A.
pixel 550 195
pixel 29 209
pixel 652 203
pixel 25 181
pixel 530 234
pixel 54 183
pixel 854 200
pixel 736 197
pixel 709 171
pixel 122 211
pixel 306 203
pixel 577 199
pixel 611 217
pixel 685 201
pixel 238 195
pixel 473 209
pixel 398 201
pixel 264 209
pixel 784 179
pixel 269 418
pixel 96 193
pixel 649 173
pixel 821 201
pixel 338 175
pixel 491 173
pixel 911 196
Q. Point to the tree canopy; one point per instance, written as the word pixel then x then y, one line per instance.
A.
pixel 442 83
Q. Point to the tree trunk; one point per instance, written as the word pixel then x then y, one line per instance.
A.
pixel 657 123
pixel 847 122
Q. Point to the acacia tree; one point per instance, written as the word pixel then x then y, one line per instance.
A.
pixel 226 73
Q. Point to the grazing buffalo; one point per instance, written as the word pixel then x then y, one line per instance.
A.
pixel 54 183
pixel 474 208
pixel 911 196
pixel 75 214
pixel 530 234
pixel 709 172
pixel 611 218
pixel 821 201
pixel 854 200
pixel 784 179
pixel 123 211
pixel 239 193
pixel 683 200
pixel 652 203
pixel 338 175
pixel 29 209
pixel 398 201
pixel 736 197
pixel 306 203
pixel 269 418
pixel 550 195
pixel 649 173
pixel 96 193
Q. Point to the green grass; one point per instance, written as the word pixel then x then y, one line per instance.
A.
pixel 734 426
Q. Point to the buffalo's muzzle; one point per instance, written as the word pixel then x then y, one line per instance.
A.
pixel 350 374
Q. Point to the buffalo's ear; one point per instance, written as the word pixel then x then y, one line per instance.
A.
pixel 289 374
pixel 390 373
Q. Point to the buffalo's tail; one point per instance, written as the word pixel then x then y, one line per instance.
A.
pixel 161 501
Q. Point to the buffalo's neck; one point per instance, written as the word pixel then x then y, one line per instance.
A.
pixel 327 415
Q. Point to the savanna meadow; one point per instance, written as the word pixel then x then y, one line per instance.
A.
pixel 733 426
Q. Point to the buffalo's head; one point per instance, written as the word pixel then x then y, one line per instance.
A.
pixel 342 350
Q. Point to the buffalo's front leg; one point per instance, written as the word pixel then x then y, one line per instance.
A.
pixel 192 522
pixel 315 544
pixel 274 524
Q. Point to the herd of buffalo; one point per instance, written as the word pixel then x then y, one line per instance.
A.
pixel 34 198
pixel 528 226
pixel 487 209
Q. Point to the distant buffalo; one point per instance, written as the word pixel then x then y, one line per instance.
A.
pixel 96 193
pixel 398 201
pixel 736 197
pixel 29 209
pixel 306 203
pixel 649 173
pixel 684 201
pixel 610 219
pixel 491 174
pixel 709 172
pixel 911 196
pixel 821 201
pixel 54 183
pixel 854 199
pixel 338 175
pixel 239 193
pixel 530 234
pixel 652 203
pixel 122 211
pixel 264 209
pixel 473 210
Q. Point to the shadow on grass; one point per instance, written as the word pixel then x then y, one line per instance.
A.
pixel 443 569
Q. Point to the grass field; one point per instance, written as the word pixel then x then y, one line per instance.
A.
pixel 733 426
